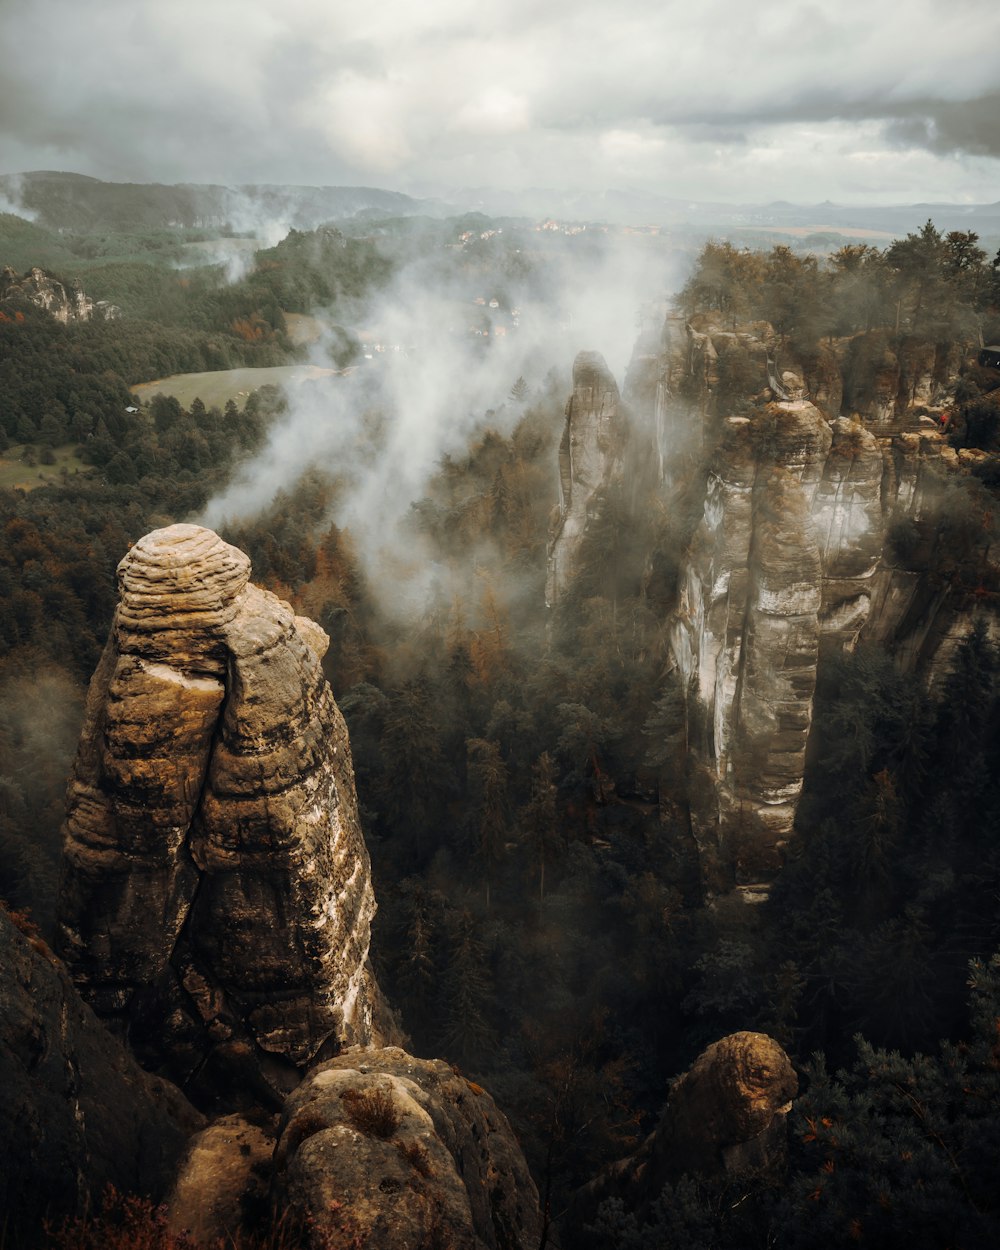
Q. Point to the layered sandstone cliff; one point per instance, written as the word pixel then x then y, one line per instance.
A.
pixel 747 628
pixel 216 901
pixel 216 910
pixel 797 555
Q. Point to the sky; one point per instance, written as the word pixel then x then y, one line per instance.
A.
pixel 863 101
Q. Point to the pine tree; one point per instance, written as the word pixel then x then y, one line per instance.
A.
pixel 540 817
pixel 902 1154
pixel 467 993
pixel 519 391
pixel 489 793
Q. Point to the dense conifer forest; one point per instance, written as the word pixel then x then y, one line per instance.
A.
pixel 522 772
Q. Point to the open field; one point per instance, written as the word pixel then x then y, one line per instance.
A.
pixel 844 232
pixel 215 388
pixel 16 473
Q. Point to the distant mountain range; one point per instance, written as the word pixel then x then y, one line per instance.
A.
pixel 640 208
pixel 64 201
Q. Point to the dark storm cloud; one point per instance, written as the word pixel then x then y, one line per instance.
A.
pixel 652 94
pixel 939 125
pixel 946 126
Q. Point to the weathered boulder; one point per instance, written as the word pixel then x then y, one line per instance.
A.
pixel 590 452
pixel 726 1114
pixel 399 1152
pixel 217 898
pixel 724 1117
pixel 77 1113
pixel 221 1189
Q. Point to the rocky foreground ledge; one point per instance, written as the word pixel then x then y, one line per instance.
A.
pixel 217 895
pixel 215 914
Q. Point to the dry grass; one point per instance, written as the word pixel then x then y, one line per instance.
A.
pixel 21 467
pixel 372 1110
pixel 128 1222
pixel 416 1156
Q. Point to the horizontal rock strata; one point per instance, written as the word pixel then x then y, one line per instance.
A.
pixel 217 898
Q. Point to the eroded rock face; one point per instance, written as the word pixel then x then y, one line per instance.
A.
pixel 63 303
pixel 589 454
pixel 746 633
pixel 791 563
pixel 77 1113
pixel 217 898
pixel 848 517
pixel 885 383
pixel 399 1152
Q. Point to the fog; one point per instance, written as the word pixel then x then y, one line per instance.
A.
pixel 11 200
pixel 428 384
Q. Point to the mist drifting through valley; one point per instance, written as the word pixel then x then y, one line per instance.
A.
pixel 426 387
pixel 590 698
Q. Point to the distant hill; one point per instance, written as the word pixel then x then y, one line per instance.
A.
pixel 639 208
pixel 63 201
pixel 24 244
pixel 74 203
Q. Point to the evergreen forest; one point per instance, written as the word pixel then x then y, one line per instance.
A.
pixel 523 771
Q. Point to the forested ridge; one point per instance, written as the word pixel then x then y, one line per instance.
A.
pixel 522 773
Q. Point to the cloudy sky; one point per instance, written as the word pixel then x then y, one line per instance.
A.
pixel 880 101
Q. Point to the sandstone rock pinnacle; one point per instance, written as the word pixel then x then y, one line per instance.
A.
pixel 217 899
pixel 589 453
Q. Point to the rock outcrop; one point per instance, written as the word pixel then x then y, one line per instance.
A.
pixel 216 909
pixel 746 633
pixel 63 303
pixel 885 382
pixel 217 899
pixel 590 453
pixel 726 1114
pixel 848 518
pixel 794 558
pixel 398 1152
pixel 77 1113
pixel 724 1117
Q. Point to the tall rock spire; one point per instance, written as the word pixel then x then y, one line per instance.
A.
pixel 590 451
pixel 217 897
